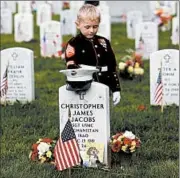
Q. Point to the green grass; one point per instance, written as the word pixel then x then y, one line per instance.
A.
pixel 22 125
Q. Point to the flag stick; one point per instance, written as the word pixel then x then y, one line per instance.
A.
pixel 162 108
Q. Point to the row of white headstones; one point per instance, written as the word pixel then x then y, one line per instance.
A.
pixel 145 33
pixel 19 63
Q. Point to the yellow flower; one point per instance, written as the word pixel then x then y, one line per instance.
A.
pixel 120 138
pixel 122 65
pixel 42 159
pixel 136 65
pixel 141 71
pixel 124 148
pixel 132 148
pixel 114 141
pixel 130 69
pixel 133 143
pixel 39 140
pixel 48 154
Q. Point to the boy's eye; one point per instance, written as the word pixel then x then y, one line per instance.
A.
pixel 87 27
pixel 96 26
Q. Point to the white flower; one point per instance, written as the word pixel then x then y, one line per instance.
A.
pixel 42 148
pixel 122 65
pixel 129 134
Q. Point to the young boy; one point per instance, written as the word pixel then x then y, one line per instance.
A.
pixel 90 49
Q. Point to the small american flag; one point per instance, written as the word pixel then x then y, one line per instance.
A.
pixel 4 83
pixel 67 150
pixel 44 44
pixel 159 90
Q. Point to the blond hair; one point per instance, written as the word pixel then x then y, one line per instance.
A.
pixel 89 12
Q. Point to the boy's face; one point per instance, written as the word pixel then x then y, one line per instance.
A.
pixel 88 27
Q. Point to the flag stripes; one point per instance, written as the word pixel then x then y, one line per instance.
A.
pixel 4 83
pixel 67 150
pixel 158 96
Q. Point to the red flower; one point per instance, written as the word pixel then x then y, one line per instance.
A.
pixel 34 146
pixel 116 146
pixel 34 155
pixel 127 141
pixel 141 107
pixel 47 140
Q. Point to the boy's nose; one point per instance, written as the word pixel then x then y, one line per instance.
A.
pixel 91 30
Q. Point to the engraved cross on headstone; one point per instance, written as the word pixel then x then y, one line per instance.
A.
pixel 14 55
pixel 81 95
pixel 167 57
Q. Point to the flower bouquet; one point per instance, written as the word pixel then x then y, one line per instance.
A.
pixel 43 151
pixel 163 18
pixel 131 65
pixel 124 144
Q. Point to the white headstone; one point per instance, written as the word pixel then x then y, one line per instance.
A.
pixel 76 5
pixel 105 24
pixel 146 40
pixel 57 7
pixel 19 63
pixel 9 4
pixel 175 31
pixel 164 66
pixel 6 21
pixel 23 27
pixel 133 18
pixel 89 117
pixel 44 14
pixel 50 39
pixel 67 20
pixel 24 7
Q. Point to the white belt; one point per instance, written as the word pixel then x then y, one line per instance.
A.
pixel 102 69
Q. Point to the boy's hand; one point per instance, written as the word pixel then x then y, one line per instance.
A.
pixel 116 97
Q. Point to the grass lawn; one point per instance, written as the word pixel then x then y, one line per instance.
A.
pixel 23 125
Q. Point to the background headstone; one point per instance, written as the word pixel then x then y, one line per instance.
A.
pixel 67 20
pixel 89 116
pixel 23 27
pixel 44 13
pixel 9 5
pixel 19 63
pixel 50 39
pixel 175 31
pixel 166 64
pixel 24 7
pixel 56 7
pixel 6 21
pixel 133 18
pixel 146 39
pixel 105 24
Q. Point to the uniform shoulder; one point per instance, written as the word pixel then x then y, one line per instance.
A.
pixel 101 37
pixel 73 40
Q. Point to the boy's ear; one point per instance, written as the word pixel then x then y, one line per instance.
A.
pixel 77 24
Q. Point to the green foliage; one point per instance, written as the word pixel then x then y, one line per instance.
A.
pixel 22 125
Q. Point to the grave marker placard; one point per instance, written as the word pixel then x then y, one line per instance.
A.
pixel 19 63
pixel 164 66
pixel 89 116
